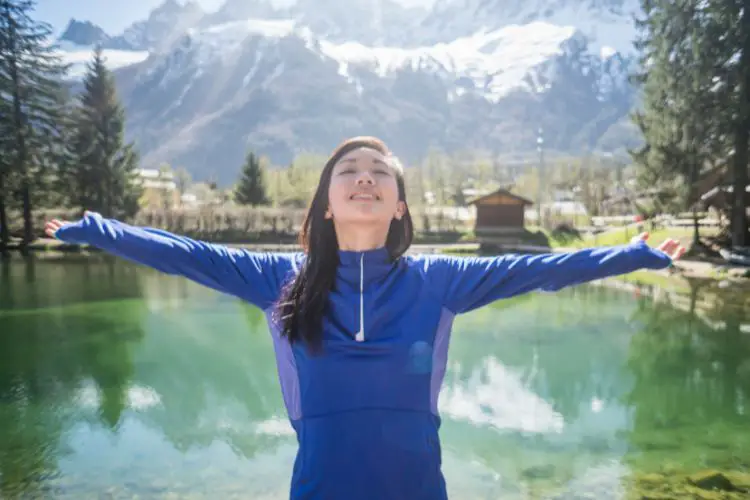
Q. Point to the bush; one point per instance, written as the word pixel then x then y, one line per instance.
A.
pixel 566 233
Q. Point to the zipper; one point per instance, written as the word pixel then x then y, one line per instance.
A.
pixel 360 336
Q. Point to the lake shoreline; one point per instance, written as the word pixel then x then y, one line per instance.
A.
pixel 49 245
pixel 685 268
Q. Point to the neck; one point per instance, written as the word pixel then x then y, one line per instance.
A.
pixel 361 239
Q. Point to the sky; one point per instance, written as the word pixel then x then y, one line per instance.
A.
pixel 115 15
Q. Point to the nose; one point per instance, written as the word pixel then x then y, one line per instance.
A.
pixel 365 178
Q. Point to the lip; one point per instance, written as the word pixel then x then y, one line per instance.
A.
pixel 364 196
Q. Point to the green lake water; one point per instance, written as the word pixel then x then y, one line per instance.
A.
pixel 119 382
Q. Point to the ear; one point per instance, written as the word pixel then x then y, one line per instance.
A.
pixel 400 210
pixel 328 214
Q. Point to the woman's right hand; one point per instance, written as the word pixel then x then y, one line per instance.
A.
pixel 51 227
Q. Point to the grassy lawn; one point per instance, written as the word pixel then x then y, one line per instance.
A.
pixel 624 235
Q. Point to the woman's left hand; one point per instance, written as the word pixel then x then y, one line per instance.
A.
pixel 669 246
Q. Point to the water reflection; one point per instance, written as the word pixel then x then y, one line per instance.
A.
pixel 497 397
pixel 48 355
pixel 117 378
pixel 31 283
pixel 617 379
pixel 691 364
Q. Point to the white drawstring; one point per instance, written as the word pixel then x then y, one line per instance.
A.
pixel 360 337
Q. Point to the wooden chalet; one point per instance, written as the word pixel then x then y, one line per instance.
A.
pixel 500 219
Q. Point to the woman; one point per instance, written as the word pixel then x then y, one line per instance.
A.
pixel 361 331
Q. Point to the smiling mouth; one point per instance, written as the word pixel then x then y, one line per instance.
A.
pixel 364 197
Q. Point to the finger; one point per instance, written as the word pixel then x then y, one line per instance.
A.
pixel 643 236
pixel 668 245
pixel 665 245
pixel 679 253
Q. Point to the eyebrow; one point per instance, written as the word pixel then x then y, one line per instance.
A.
pixel 352 160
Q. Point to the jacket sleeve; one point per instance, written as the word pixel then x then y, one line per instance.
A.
pixel 466 283
pixel 254 277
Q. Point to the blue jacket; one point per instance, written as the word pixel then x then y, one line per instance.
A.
pixel 365 412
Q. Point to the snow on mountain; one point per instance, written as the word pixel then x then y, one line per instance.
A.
pixel 488 64
pixel 202 88
pixel 166 22
pixel 369 22
pixel 606 23
pixel 491 64
pixel 223 41
pixel 239 10
pixel 486 44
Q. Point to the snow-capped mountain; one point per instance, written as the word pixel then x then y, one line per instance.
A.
pixel 370 22
pixel 165 24
pixel 168 21
pixel 288 80
pixel 234 10
pixel 83 33
pixel 606 23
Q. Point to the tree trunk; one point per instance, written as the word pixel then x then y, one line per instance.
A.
pixel 742 136
pixel 28 222
pixel 4 231
pixel 696 232
pixel 739 184
pixel 19 124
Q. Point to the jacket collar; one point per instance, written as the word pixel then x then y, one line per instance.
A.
pixel 372 264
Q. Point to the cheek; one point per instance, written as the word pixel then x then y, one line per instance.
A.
pixel 390 192
pixel 336 192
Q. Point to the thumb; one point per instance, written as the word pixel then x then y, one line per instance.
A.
pixel 640 237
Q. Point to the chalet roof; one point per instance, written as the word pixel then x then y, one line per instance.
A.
pixel 501 192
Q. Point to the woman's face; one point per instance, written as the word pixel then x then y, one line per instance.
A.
pixel 363 189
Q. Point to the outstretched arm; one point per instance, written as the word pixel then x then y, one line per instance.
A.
pixel 255 277
pixel 468 283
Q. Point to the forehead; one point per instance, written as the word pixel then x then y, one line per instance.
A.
pixel 364 154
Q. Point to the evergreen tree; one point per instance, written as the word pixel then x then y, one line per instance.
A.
pixel 6 151
pixel 33 98
pixel 251 189
pixel 103 176
pixel 734 15
pixel 685 112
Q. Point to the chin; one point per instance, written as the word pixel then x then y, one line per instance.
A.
pixel 364 218
pixel 378 221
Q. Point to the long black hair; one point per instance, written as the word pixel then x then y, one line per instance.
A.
pixel 304 299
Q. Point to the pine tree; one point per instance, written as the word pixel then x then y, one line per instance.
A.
pixel 31 75
pixel 251 189
pixel 103 176
pixel 6 153
pixel 684 115
pixel 735 17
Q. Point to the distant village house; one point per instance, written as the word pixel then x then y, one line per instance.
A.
pixel 500 219
pixel 159 189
